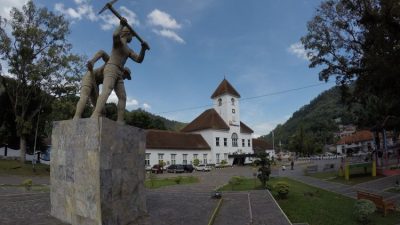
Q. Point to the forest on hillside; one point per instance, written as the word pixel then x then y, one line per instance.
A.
pixel 313 126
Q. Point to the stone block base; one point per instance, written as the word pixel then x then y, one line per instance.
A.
pixel 97 173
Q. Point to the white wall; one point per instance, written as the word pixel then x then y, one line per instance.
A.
pixel 178 155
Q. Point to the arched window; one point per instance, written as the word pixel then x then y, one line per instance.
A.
pixel 234 140
pixel 219 102
pixel 233 101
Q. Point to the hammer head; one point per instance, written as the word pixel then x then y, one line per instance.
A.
pixel 107 6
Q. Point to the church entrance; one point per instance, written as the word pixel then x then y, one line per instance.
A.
pixel 239 161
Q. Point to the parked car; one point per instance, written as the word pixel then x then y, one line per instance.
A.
pixel 175 169
pixel 203 168
pixel 157 169
pixel 188 168
pixel 148 168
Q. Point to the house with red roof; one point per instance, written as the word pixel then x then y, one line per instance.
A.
pixel 216 134
pixel 359 142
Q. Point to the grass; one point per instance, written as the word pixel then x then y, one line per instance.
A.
pixel 34 187
pixel 314 205
pixel 158 183
pixel 13 167
pixel 393 190
pixel 317 206
pixel 357 176
pixel 245 185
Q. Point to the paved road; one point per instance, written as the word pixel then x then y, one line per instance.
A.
pixel 178 205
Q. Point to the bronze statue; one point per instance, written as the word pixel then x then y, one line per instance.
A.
pixel 113 70
pixel 91 81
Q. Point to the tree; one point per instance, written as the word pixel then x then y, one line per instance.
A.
pixel 357 41
pixel 265 168
pixel 40 63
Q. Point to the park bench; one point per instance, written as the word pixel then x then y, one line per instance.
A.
pixel 312 169
pixel 328 167
pixel 377 200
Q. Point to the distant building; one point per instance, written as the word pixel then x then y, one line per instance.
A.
pixel 359 142
pixel 263 146
pixel 215 135
pixel 346 130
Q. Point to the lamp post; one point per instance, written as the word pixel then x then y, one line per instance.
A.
pixel 36 133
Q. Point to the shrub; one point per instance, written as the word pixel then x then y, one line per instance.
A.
pixel 27 184
pixel 178 179
pixel 363 208
pixel 224 162
pixel 152 178
pixel 196 162
pixel 282 188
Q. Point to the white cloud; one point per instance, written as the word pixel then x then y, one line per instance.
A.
pixel 169 34
pixel 146 106
pixel 298 50
pixel 82 10
pixel 130 102
pixel 7 5
pixel 162 19
pixel 164 25
pixel 110 20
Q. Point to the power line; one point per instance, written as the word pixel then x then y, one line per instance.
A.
pixel 248 98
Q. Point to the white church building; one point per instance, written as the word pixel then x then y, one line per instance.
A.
pixel 215 135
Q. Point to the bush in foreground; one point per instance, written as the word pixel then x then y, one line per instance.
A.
pixel 282 188
pixel 363 208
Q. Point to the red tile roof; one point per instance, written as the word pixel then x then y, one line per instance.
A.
pixel 225 88
pixel 209 119
pixel 245 129
pixel 159 139
pixel 359 136
pixel 260 145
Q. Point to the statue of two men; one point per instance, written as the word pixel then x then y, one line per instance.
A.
pixel 112 73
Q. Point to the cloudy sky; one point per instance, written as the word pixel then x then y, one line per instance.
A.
pixel 194 44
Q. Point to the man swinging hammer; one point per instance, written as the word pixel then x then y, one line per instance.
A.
pixel 114 68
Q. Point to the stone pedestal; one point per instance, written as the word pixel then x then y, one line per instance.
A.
pixel 97 173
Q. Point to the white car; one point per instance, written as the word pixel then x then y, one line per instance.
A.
pixel 202 167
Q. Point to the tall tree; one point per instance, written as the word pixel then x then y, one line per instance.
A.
pixel 358 42
pixel 39 60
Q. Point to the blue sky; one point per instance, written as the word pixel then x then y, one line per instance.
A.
pixel 195 44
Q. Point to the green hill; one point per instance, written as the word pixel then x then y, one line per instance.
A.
pixel 146 120
pixel 314 124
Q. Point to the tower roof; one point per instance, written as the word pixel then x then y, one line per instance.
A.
pixel 225 88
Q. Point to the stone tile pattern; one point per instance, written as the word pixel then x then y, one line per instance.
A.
pixel 97 172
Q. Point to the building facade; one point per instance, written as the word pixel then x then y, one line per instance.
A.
pixel 215 135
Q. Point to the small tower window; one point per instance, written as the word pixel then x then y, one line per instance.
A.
pixel 233 101
pixel 233 110
pixel 219 102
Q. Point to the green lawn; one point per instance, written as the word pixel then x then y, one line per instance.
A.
pixel 316 206
pixel 35 187
pixel 12 167
pixel 394 190
pixel 245 185
pixel 157 183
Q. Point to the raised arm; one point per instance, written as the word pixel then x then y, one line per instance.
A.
pixel 139 58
